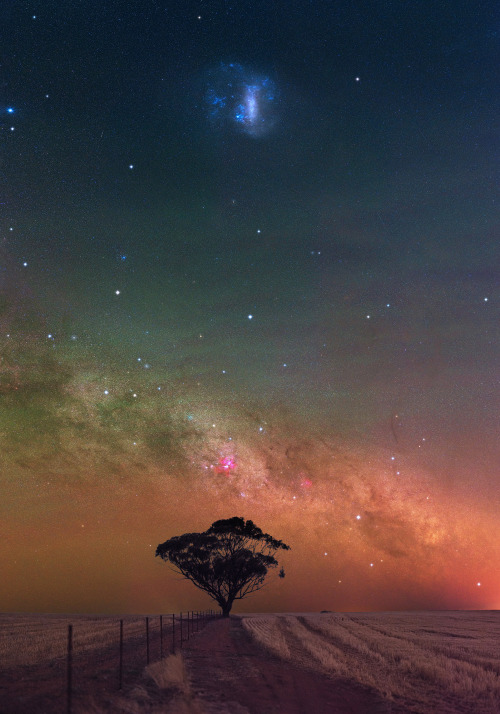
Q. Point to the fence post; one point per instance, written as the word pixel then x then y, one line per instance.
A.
pixel 161 636
pixel 173 633
pixel 147 640
pixel 120 669
pixel 180 621
pixel 69 669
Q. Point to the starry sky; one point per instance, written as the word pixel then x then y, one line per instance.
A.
pixel 249 266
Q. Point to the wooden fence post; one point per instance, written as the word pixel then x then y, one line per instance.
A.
pixel 120 668
pixel 69 669
pixel 147 640
pixel 180 620
pixel 173 633
pixel 161 636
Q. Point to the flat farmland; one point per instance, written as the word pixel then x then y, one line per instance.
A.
pixel 33 660
pixel 362 663
pixel 420 661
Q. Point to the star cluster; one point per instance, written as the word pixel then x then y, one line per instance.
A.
pixel 263 287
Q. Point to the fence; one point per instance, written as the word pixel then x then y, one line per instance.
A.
pixel 92 656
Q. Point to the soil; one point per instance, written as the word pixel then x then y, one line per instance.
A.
pixel 230 673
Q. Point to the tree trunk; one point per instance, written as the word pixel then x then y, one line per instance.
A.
pixel 226 609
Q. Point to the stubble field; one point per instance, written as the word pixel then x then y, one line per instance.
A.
pixel 34 662
pixel 418 662
pixel 424 661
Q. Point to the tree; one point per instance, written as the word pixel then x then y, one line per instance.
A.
pixel 228 561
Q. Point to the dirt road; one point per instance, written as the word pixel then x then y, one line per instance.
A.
pixel 231 674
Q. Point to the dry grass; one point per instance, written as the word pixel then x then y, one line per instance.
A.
pixel 425 661
pixel 169 673
pixel 30 639
pixel 166 677
pixel 430 661
pixel 33 650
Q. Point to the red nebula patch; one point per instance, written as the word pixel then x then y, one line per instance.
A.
pixel 306 483
pixel 226 465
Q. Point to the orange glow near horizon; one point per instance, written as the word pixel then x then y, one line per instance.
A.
pixel 250 266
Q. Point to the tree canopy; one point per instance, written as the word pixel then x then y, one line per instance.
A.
pixel 228 561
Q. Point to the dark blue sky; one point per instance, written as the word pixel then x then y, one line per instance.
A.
pixel 277 218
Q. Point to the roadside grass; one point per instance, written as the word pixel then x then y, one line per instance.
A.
pixel 164 689
pixel 169 673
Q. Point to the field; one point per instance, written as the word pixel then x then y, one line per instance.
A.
pixel 418 662
pixel 34 662
pixel 427 661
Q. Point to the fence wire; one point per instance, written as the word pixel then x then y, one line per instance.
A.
pixel 50 663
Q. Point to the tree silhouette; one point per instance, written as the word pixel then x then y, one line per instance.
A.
pixel 228 561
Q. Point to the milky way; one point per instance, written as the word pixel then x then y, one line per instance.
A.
pixel 249 267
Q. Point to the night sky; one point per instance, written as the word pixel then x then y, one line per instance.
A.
pixel 249 266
